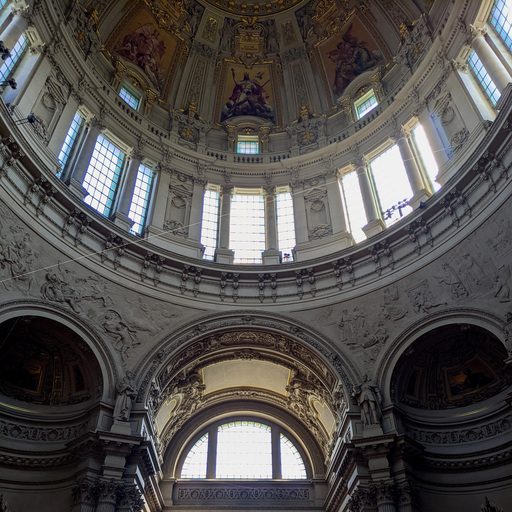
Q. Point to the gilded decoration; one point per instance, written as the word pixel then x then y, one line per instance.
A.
pixel 259 8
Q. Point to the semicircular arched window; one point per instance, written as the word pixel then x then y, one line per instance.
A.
pixel 244 449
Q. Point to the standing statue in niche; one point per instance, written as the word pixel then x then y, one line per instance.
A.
pixel 126 394
pixel 369 399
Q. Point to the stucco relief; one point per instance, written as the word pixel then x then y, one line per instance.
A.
pixel 317 212
pixel 178 206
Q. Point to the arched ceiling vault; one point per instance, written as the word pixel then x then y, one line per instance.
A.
pixel 248 365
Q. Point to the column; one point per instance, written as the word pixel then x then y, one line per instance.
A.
pixel 374 218
pixel 13 32
pixel 419 190
pixel 107 496
pixel 63 124
pixel 271 255
pixel 299 213
pixel 224 254
pixel 434 139
pixel 122 209
pixel 196 210
pixel 337 214
pixel 158 203
pixel 82 162
pixel 497 71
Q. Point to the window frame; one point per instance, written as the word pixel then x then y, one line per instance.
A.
pixel 248 139
pixel 145 207
pixel 115 186
pixel 212 427
pixel 480 78
pixel 132 91
pixel 362 100
pixel 12 62
pixel 232 243
pixel 210 250
pixel 72 141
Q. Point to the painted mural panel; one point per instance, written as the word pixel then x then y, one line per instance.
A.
pixel 248 93
pixel 349 54
pixel 146 46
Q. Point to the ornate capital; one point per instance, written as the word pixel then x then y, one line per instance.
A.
pixel 475 32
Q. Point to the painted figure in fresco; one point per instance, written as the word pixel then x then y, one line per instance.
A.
pixel 248 98
pixel 143 48
pixel 351 58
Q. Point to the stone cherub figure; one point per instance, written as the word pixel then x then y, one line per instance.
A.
pixel 369 399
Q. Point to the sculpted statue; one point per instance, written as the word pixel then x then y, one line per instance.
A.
pixel 126 394
pixel 369 399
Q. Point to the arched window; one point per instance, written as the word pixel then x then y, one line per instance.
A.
pixel 244 449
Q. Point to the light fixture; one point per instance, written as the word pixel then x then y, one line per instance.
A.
pixel 4 52
pixel 31 119
pixel 11 82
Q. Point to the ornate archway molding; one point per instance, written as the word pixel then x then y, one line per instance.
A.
pixel 164 352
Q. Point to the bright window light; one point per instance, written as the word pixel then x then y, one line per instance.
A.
pixel 244 450
pixel 69 141
pixel 210 223
pixel 501 19
pixel 247 228
pixel 247 144
pixel 426 154
pixel 365 104
pixel 102 175
pixel 392 185
pixel 129 98
pixel 140 199
pixel 195 462
pixel 285 225
pixel 483 78
pixel 2 3
pixel 16 53
pixel 292 465
pixel 354 206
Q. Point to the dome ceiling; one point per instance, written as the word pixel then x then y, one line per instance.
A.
pixel 290 55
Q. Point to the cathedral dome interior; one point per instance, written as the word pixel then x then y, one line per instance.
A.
pixel 255 255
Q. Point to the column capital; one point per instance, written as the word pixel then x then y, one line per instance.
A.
pixel 269 191
pixel 136 154
pixel 359 164
pixel 96 123
pixel 163 168
pixel 226 190
pixel 474 32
